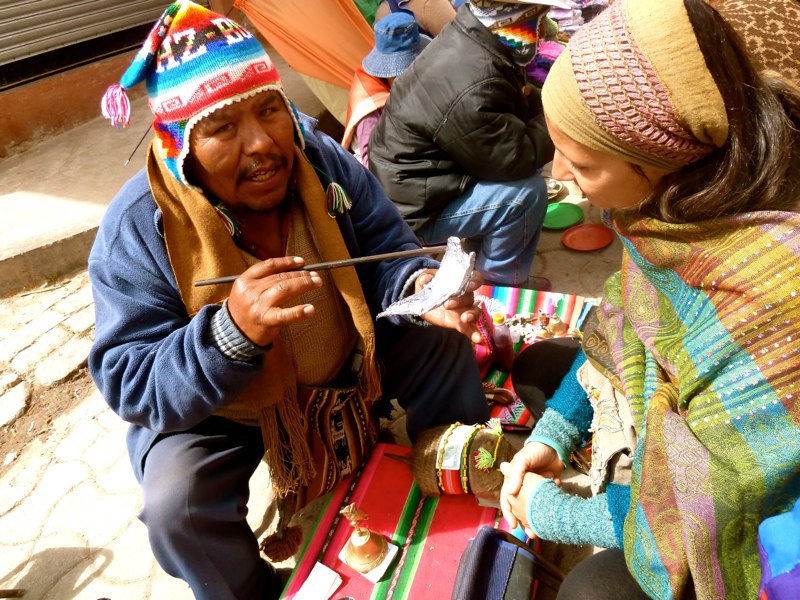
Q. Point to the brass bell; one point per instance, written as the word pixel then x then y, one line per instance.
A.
pixel 365 549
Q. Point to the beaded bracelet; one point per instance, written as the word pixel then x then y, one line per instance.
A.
pixel 465 458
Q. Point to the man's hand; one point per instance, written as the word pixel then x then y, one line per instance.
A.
pixel 458 312
pixel 258 294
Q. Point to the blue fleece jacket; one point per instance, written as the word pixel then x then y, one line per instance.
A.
pixel 157 368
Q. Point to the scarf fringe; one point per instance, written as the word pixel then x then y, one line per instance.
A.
pixel 283 429
pixel 369 380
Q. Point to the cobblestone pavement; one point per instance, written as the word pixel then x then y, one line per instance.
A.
pixel 69 501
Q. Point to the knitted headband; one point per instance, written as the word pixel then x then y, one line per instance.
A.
pixel 194 61
pixel 630 86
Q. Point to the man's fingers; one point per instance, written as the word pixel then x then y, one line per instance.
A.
pixel 271 266
pixel 278 288
pixel 277 317
pixel 466 301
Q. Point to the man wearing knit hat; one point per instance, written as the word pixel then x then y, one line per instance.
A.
pixel 212 378
pixel 462 137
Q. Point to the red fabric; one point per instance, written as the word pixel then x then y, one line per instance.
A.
pixel 424 568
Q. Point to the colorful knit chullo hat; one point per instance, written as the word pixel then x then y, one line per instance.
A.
pixel 194 61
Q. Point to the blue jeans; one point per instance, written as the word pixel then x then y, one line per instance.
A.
pixel 506 216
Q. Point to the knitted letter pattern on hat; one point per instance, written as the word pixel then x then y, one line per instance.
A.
pixel 623 92
pixel 194 61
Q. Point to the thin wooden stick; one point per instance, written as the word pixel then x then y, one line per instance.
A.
pixel 335 264
pixel 144 135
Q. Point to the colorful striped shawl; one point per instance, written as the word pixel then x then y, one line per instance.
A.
pixel 700 331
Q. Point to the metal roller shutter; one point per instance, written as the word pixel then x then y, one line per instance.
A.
pixel 32 27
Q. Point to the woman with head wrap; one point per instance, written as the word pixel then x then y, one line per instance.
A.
pixel 690 368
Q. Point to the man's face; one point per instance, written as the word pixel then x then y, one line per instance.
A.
pixel 243 153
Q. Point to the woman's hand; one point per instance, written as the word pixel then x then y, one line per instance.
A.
pixel 258 294
pixel 518 503
pixel 458 312
pixel 536 459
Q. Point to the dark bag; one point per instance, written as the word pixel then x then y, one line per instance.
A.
pixel 497 566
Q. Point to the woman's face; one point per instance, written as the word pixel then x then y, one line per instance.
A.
pixel 605 180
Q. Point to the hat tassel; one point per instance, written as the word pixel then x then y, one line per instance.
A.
pixel 115 106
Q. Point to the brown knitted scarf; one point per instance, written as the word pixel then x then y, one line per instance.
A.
pixel 200 247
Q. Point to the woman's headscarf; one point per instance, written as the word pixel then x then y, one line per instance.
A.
pixel 634 83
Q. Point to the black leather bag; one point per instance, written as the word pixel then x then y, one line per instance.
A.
pixel 497 566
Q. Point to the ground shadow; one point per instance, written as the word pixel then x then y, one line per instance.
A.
pixel 57 566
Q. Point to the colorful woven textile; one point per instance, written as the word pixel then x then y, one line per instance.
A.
pixel 431 533
pixel 699 330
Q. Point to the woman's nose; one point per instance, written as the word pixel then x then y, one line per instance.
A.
pixel 560 169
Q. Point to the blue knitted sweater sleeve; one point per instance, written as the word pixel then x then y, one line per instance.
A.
pixel 570 399
pixel 561 517
pixel 568 415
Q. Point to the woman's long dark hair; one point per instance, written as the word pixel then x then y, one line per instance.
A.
pixel 758 168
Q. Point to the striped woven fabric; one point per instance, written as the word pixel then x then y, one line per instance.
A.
pixel 431 533
pixel 702 337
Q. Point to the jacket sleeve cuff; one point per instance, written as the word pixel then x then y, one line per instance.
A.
pixel 229 340
pixel 555 431
pixel 561 517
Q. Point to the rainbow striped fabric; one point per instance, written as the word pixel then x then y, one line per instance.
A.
pixel 431 533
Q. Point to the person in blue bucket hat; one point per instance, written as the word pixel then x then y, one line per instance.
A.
pixel 397 43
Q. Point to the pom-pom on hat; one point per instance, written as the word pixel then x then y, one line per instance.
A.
pixel 397 43
pixel 193 62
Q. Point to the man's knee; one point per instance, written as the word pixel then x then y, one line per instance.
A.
pixel 526 200
pixel 169 495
